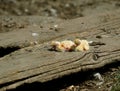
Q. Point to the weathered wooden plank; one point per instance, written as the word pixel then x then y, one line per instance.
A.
pixel 38 63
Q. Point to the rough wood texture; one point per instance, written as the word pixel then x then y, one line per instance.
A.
pixel 36 62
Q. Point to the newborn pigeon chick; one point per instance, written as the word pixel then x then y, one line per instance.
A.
pixel 82 45
pixel 66 45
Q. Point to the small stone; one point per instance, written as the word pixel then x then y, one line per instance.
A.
pixel 35 34
pixel 56 26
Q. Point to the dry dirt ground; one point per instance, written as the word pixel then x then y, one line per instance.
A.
pixel 65 9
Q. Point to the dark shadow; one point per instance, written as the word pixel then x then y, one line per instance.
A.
pixel 7 50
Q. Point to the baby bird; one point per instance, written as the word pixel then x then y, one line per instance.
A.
pixel 82 45
pixel 66 45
